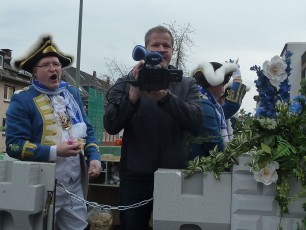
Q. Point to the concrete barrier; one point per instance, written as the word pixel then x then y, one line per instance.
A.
pixel 24 190
pixel 253 204
pixel 189 204
pixel 236 202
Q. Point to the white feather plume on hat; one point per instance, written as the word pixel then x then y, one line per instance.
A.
pixel 215 77
pixel 229 84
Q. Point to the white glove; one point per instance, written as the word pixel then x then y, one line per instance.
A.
pixel 237 74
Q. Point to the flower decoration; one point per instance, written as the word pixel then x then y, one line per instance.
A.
pixel 273 87
pixel 275 71
pixel 274 138
pixel 296 106
pixel 268 174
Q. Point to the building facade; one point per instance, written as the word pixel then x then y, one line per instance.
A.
pixel 10 81
pixel 303 70
pixel 298 65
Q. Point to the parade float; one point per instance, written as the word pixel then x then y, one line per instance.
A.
pixel 266 185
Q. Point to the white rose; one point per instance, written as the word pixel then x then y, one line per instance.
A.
pixel 268 174
pixel 275 71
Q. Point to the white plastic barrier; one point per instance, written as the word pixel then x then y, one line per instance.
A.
pixel 26 189
pixel 192 204
pixel 253 204
pixel 235 202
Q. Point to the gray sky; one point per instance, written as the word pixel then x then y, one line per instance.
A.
pixel 253 30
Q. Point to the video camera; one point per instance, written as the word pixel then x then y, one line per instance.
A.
pixel 151 76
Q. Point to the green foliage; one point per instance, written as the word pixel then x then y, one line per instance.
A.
pixel 1 153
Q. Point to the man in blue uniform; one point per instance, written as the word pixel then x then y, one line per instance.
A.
pixel 211 78
pixel 46 122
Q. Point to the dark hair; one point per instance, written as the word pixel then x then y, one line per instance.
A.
pixel 200 79
pixel 227 77
pixel 157 29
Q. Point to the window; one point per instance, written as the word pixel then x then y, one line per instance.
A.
pixel 8 92
pixel 3 126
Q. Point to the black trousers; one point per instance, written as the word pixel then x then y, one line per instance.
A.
pixel 132 192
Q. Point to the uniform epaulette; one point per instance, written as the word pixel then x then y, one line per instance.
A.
pixel 22 90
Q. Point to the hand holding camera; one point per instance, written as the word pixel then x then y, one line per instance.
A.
pixel 151 77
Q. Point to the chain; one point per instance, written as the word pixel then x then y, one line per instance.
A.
pixel 103 207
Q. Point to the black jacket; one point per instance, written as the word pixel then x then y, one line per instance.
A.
pixel 154 133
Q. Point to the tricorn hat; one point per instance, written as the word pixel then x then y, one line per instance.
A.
pixel 46 48
pixel 214 73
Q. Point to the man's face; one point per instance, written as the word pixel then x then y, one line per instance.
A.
pixel 221 100
pixel 161 42
pixel 48 72
pixel 217 91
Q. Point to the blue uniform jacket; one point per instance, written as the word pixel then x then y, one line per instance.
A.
pixel 26 127
pixel 234 99
pixel 208 135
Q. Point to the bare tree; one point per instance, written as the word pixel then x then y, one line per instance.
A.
pixel 115 70
pixel 182 44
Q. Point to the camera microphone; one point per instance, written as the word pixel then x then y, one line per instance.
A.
pixel 139 53
pixel 151 58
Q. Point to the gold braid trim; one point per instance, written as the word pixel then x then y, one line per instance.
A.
pixel 28 150
pixel 92 144
pixel 47 47
pixel 236 96
pixel 51 130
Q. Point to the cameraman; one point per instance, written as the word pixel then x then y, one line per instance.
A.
pixel 155 125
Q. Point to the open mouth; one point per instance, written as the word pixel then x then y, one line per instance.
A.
pixel 53 77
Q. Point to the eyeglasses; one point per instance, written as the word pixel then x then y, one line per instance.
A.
pixel 48 66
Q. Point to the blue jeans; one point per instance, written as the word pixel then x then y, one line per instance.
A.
pixel 132 192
